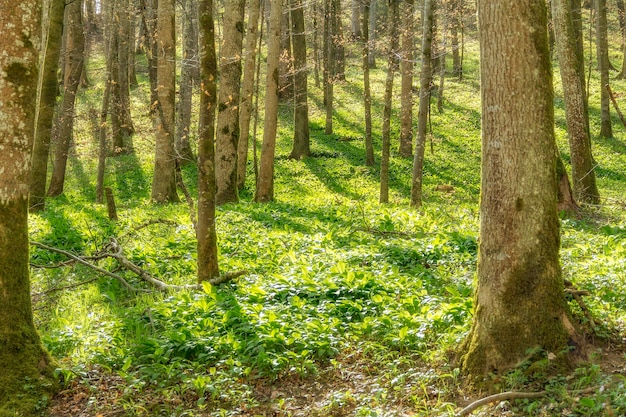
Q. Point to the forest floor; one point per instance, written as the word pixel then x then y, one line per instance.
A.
pixel 349 307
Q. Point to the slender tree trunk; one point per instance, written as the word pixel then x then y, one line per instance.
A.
pixel 519 299
pixel 75 46
pixel 102 131
pixel 164 180
pixel 373 30
pixel 285 88
pixel 606 129
pixel 208 266
pixel 356 19
pixel 188 69
pixel 424 104
pixel 316 49
pixel 247 89
pixel 265 185
pixel 367 96
pixel 338 41
pixel 406 69
pixel 26 374
pixel 124 50
pixel 329 65
pixel 49 87
pixel 152 51
pixel 442 57
pixel 301 143
pixel 621 11
pixel 583 175
pixel 455 16
pixel 392 67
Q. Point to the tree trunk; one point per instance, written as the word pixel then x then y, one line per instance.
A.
pixel 455 16
pixel 265 185
pixel 228 103
pixel 208 266
pixel 75 45
pixel 124 50
pixel 392 67
pixel 583 174
pixel 164 180
pixel 519 300
pixel 247 89
pixel 356 19
pixel 373 33
pixel 26 374
pixel 49 87
pixel 338 41
pixel 301 143
pixel 316 53
pixel 622 26
pixel 406 68
pixel 606 129
pixel 424 105
pixel 329 65
pixel 285 88
pixel 188 69
pixel 367 96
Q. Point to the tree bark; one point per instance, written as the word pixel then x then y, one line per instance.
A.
pixel 583 175
pixel 367 96
pixel 164 180
pixel 406 69
pixel 26 368
pixel 247 90
pixel 519 302
pixel 265 186
pixel 338 41
pixel 75 46
pixel 329 65
pixel 373 33
pixel 606 128
pixel 356 19
pixel 621 11
pixel 392 67
pixel 48 90
pixel 285 89
pixel 455 16
pixel 228 103
pixel 208 266
pixel 301 143
pixel 426 75
pixel 188 69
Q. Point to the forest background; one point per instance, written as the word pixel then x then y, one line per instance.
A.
pixel 337 300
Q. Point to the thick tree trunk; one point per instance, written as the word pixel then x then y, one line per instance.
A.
pixel 367 96
pixel 75 46
pixel 519 302
pixel 392 67
pixel 406 69
pixel 208 266
pixel 247 90
pixel 26 374
pixel 583 174
pixel 426 76
pixel 164 180
pixel 606 128
pixel 265 185
pixel 301 143
pixel 228 103
pixel 189 67
pixel 49 87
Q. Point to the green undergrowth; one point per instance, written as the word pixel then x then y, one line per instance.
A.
pixel 336 284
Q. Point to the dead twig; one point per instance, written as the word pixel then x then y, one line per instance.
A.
pixel 85 263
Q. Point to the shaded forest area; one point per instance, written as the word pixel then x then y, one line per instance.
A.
pixel 274 208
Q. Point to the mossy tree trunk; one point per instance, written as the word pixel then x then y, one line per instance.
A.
pixel 227 137
pixel 519 302
pixel 426 76
pixel 392 67
pixel 602 44
pixel 367 93
pixel 26 369
pixel 48 90
pixel 208 266
pixel 247 89
pixel 406 69
pixel 74 53
pixel 164 180
pixel 265 186
pixel 577 118
pixel 301 141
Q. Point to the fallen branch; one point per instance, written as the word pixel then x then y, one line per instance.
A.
pixel 85 263
pixel 614 101
pixel 515 395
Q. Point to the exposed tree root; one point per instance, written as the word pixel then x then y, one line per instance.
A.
pixel 515 395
